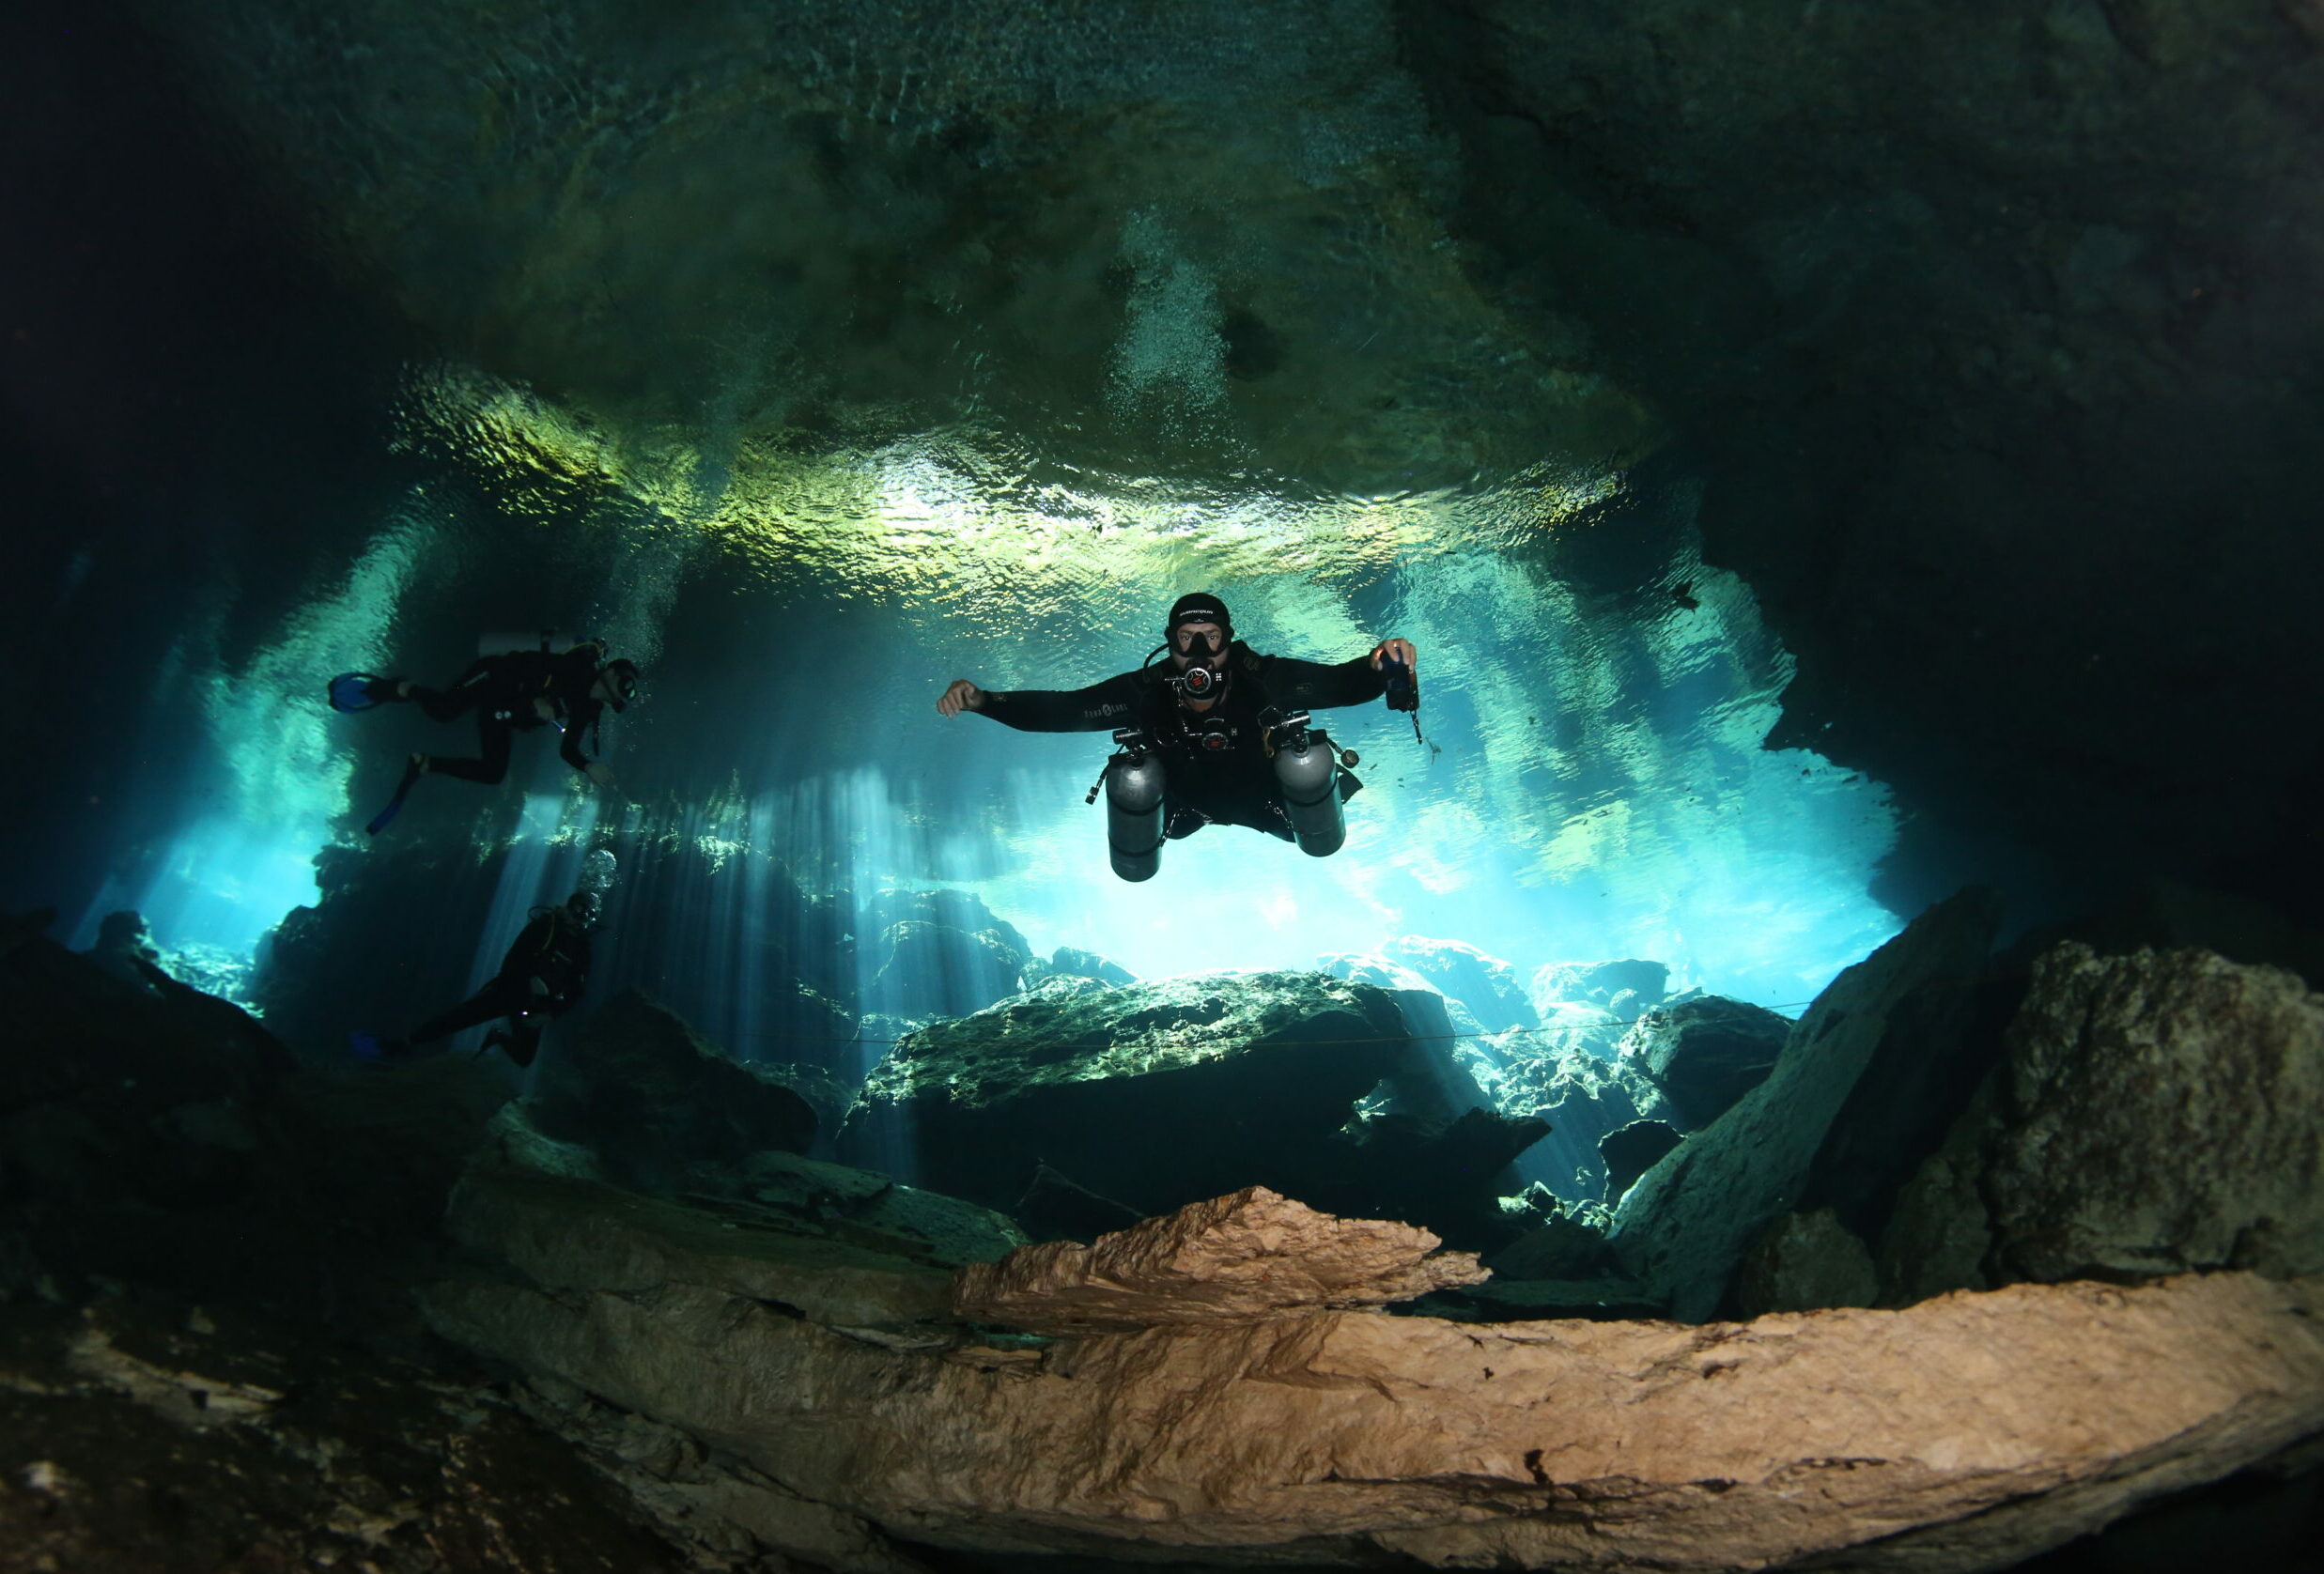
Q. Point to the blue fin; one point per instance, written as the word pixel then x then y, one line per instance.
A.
pixel 353 691
pixel 395 804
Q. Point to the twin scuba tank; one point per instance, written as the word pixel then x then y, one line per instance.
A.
pixel 1306 771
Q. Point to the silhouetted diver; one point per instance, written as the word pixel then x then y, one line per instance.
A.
pixel 1218 734
pixel 543 974
pixel 515 691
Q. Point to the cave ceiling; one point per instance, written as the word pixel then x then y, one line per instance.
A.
pixel 1988 339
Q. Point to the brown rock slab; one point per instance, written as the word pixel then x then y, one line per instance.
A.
pixel 1966 1432
pixel 1252 1254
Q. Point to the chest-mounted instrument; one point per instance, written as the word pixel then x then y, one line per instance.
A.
pixel 1199 682
pixel 1207 735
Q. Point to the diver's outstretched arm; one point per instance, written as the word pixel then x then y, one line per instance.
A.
pixel 1120 701
pixel 1100 707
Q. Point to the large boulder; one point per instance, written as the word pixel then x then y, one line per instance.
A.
pixel 1411 989
pixel 1705 1052
pixel 1160 1093
pixel 1686 1224
pixel 1625 988
pixel 2153 1113
pixel 1628 1152
pixel 153 1135
pixel 651 1098
pixel 938 953
pixel 1488 986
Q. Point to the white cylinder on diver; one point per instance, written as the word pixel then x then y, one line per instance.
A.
pixel 1307 767
pixel 1133 814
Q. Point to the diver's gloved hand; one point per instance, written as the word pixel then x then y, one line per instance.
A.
pixel 963 695
pixel 598 772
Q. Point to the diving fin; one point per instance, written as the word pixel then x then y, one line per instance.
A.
pixel 413 772
pixel 361 691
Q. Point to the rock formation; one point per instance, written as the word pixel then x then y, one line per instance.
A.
pixel 1238 1080
pixel 1958 1434
pixel 1686 1222
pixel 1485 984
pixel 652 1097
pixel 2152 1113
pixel 1237 1259
pixel 1704 1053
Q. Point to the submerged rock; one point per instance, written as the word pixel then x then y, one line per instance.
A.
pixel 1068 962
pixel 1161 1093
pixel 1633 982
pixel 941 953
pixel 1628 1152
pixel 1804 1262
pixel 1348 1438
pixel 1687 1222
pixel 1584 1098
pixel 650 1097
pixel 2152 1113
pixel 1236 1258
pixel 1485 984
pixel 1706 1052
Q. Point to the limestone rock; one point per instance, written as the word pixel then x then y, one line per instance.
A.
pixel 1424 1003
pixel 584 1237
pixel 1233 1080
pixel 649 1096
pixel 1965 1432
pixel 933 970
pixel 1804 1262
pixel 1057 1206
pixel 1598 983
pixel 1585 1097
pixel 940 953
pixel 1686 1222
pixel 1485 984
pixel 1705 1053
pixel 1628 1152
pixel 2165 1112
pixel 1068 962
pixel 772 1189
pixel 1233 1259
pixel 1563 1246
pixel 2153 1113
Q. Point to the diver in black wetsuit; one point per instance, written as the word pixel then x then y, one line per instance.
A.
pixel 541 976
pixel 1212 714
pixel 518 691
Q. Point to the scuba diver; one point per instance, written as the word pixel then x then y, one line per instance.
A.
pixel 511 692
pixel 541 976
pixel 1217 734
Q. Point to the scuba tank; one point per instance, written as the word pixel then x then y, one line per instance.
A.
pixel 1133 783
pixel 1306 768
pixel 549 642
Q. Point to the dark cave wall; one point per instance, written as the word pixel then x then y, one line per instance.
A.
pixel 1995 333
pixel 193 431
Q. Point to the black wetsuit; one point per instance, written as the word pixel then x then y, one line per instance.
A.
pixel 501 690
pixel 1217 763
pixel 553 950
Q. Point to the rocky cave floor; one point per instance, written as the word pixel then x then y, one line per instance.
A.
pixel 1998 1260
